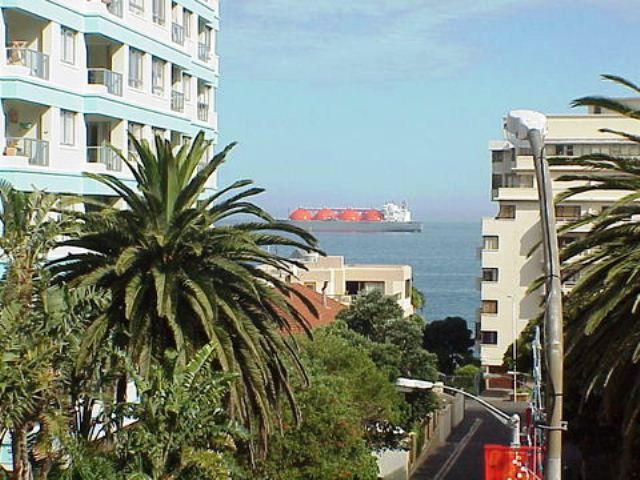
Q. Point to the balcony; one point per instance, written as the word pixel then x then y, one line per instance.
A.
pixel 177 101
pixel 36 62
pixel 111 80
pixel 177 33
pixel 203 112
pixel 106 156
pixel 37 151
pixel 114 7
pixel 204 52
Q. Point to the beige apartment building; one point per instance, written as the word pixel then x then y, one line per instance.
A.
pixel 508 266
pixel 340 281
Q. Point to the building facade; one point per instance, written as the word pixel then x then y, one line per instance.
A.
pixel 342 282
pixel 78 75
pixel 510 260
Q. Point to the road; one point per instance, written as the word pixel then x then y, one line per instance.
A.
pixel 462 456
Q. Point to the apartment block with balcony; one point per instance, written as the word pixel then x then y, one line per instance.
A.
pixel 78 75
pixel 508 239
pixel 342 282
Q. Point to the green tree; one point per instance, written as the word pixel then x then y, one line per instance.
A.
pixel 451 340
pixel 346 407
pixel 180 428
pixel 31 224
pixel 601 311
pixel 180 279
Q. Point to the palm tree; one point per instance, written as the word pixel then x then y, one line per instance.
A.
pixel 603 309
pixel 181 277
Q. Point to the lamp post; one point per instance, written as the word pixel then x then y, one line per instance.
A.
pixel 512 421
pixel 531 126
pixel 514 347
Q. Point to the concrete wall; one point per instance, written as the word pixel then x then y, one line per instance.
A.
pixel 400 464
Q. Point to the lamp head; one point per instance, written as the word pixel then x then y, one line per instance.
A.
pixel 520 122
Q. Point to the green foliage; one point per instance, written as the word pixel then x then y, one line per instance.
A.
pixel 601 311
pixel 468 370
pixel 181 429
pixel 180 279
pixel 450 339
pixel 347 407
pixel 375 322
pixel 418 299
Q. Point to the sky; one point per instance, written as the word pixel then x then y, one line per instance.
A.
pixel 356 102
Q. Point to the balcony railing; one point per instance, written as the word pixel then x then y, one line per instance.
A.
pixel 106 156
pixel 114 7
pixel 36 62
pixel 177 33
pixel 136 6
pixel 204 52
pixel 37 151
pixel 177 101
pixel 203 112
pixel 111 80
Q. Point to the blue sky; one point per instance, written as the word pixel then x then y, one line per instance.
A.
pixel 354 102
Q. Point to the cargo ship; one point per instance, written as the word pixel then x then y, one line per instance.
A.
pixel 392 218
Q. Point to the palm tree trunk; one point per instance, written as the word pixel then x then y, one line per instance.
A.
pixel 20 451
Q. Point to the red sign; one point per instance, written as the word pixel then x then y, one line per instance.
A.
pixel 506 463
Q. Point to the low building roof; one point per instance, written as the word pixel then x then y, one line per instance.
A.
pixel 326 308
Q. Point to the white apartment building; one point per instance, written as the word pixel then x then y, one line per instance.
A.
pixel 508 269
pixel 77 75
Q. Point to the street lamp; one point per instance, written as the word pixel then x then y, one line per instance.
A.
pixel 512 421
pixel 531 126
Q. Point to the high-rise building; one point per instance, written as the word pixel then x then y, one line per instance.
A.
pixel 78 75
pixel 510 260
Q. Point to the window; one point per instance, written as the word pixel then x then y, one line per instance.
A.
pixel 490 307
pixel 135 129
pixel 157 8
pixel 525 181
pixel 186 87
pixel 355 287
pixel 407 288
pixel 497 156
pixel 311 285
pixel 68 45
pixel 187 18
pixel 67 121
pixel 597 110
pixel 567 212
pixel 496 181
pixel 136 6
pixel 136 67
pixel 489 274
pixel 489 337
pixel 158 76
pixel 506 212
pixel 490 242
pixel 158 132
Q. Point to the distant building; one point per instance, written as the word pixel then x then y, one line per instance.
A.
pixel 78 75
pixel 510 236
pixel 337 280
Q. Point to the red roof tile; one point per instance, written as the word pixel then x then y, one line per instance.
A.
pixel 327 309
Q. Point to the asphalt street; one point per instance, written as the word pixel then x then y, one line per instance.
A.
pixel 462 456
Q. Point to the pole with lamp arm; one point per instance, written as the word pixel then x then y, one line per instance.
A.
pixel 531 126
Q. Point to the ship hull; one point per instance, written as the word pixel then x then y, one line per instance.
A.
pixel 361 226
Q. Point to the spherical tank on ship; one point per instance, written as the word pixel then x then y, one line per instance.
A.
pixel 325 214
pixel 350 215
pixel 372 215
pixel 300 215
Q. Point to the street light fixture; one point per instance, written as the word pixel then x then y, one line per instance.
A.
pixel 512 421
pixel 531 126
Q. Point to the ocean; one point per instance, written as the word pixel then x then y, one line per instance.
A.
pixel 443 259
